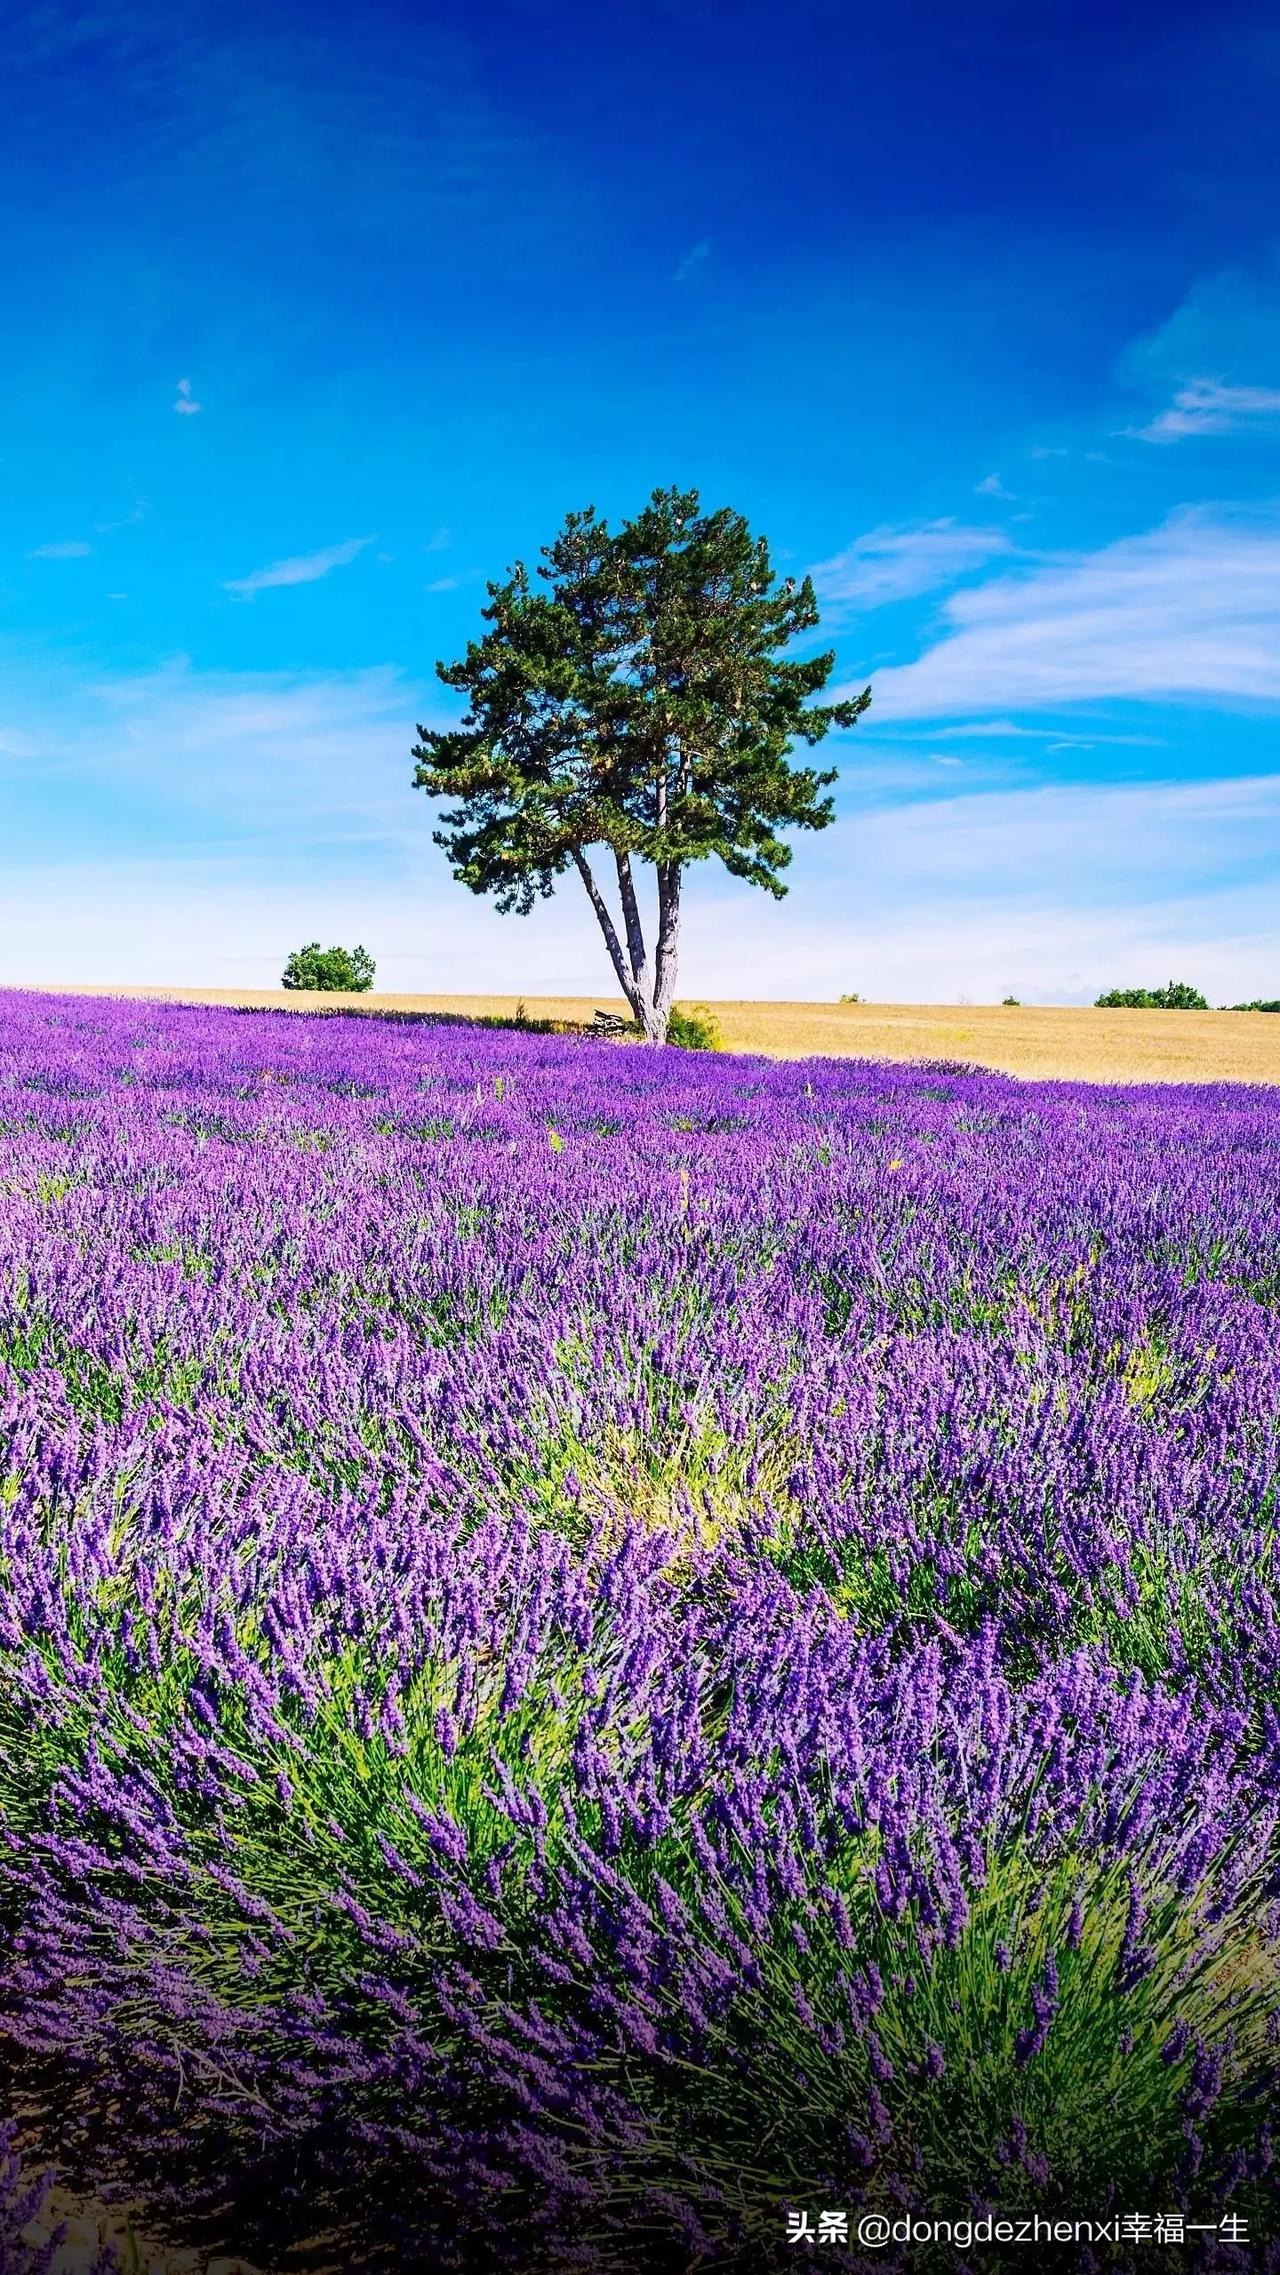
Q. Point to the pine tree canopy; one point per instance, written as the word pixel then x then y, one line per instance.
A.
pixel 635 697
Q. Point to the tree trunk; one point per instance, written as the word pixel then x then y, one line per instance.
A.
pixel 641 1005
pixel 636 949
pixel 668 956
pixel 650 999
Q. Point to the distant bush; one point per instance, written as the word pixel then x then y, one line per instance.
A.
pixel 851 999
pixel 1011 1002
pixel 696 1030
pixel 1256 1005
pixel 329 971
pixel 1175 995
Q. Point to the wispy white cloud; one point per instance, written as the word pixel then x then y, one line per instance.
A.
pixel 256 811
pixel 300 569
pixel 252 811
pixel 1005 913
pixel 68 549
pixel 439 541
pixel 1189 611
pixel 992 487
pixel 1052 891
pixel 255 727
pixel 186 403
pixel 251 747
pixel 954 947
pixel 1025 890
pixel 874 774
pixel 1213 366
pixel 1001 729
pixel 894 564
pixel 1095 834
pixel 125 520
pixel 444 584
pixel 1210 406
pixel 696 257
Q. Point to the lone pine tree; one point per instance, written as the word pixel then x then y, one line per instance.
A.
pixel 639 704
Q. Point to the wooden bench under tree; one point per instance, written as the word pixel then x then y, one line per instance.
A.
pixel 610 1023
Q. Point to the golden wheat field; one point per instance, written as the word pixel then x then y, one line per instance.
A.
pixel 1063 1042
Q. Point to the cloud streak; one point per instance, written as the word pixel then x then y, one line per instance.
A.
pixel 1189 611
pixel 70 549
pixel 1096 839
pixel 1210 407
pixel 696 258
pixel 984 729
pixel 253 739
pixel 125 520
pixel 299 569
pixel 186 404
pixel 895 564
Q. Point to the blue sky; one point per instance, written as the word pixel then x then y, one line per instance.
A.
pixel 316 319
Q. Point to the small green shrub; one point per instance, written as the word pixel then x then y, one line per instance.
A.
pixel 851 999
pixel 1011 1002
pixel 1257 1005
pixel 329 971
pixel 695 1030
pixel 1175 995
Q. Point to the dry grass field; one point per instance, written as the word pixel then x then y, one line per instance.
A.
pixel 1068 1043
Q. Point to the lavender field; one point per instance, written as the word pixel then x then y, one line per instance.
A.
pixel 599 1646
